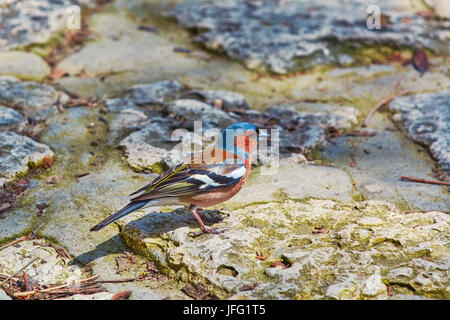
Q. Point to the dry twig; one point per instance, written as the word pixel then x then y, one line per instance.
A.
pixel 386 99
pixel 27 237
pixel 57 288
pixel 87 286
pixel 20 270
pixel 358 133
pixel 444 183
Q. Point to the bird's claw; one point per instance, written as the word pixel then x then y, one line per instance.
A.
pixel 207 231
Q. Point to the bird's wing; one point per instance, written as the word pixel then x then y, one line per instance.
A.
pixel 160 178
pixel 190 179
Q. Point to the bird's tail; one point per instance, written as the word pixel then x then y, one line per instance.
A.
pixel 132 206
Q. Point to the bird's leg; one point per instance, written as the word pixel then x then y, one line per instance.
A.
pixel 193 209
pixel 205 217
pixel 201 214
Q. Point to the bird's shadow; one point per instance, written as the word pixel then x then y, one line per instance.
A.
pixel 152 225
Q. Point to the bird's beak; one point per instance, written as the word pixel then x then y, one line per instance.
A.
pixel 262 135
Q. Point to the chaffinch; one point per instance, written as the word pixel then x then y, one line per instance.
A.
pixel 208 178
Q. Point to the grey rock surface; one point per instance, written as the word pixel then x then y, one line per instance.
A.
pixel 193 110
pixel 301 126
pixel 10 119
pixel 14 222
pixel 4 296
pixel 376 164
pixel 269 183
pixel 331 117
pixel 49 268
pixel 327 249
pixel 34 99
pixel 229 101
pixel 95 296
pixel 276 33
pixel 23 65
pixel 18 153
pixel 302 131
pixel 158 92
pixel 157 145
pixel 303 140
pixel 116 105
pixel 73 206
pixel 26 22
pixel 130 111
pixel 126 120
pixel 140 151
pixel 426 119
pixel 309 216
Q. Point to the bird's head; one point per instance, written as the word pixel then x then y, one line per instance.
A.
pixel 240 138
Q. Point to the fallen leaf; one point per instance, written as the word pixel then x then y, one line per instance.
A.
pixel 47 162
pixel 389 292
pixel 123 264
pixel 53 179
pixel 73 37
pixel 61 251
pixel 406 20
pixel 397 56
pixel 198 291
pixel 41 208
pixel 26 281
pixel 420 61
pixel 279 264
pixel 123 295
pixel 22 182
pixel 218 103
pixel 88 102
pixel 4 206
pixel 248 287
pixel 80 175
pixel 385 21
pixel 425 13
pixel 130 256
pixel 57 74
pixel 318 230
pixel 149 28
pixel 181 50
pixel 260 256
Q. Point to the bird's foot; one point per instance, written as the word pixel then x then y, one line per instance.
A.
pixel 207 231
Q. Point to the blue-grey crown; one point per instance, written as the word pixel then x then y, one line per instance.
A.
pixel 242 127
pixel 226 140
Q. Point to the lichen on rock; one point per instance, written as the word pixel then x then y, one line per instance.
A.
pixel 48 267
pixel 302 126
pixel 34 99
pixel 26 22
pixel 18 153
pixel 426 119
pixel 274 34
pixel 23 65
pixel 10 119
pixel 327 249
